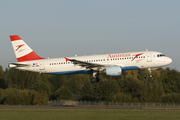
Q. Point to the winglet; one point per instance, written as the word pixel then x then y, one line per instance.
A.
pixel 66 59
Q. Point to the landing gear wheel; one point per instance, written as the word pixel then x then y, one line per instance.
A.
pixel 95 79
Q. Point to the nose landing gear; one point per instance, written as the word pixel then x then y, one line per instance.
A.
pixel 150 75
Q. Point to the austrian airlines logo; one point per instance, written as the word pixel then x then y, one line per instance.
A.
pixel 19 46
pixel 137 55
pixel 66 59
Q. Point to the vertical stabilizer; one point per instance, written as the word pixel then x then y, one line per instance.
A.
pixel 22 51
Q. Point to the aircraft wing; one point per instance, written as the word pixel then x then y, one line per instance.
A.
pixel 87 65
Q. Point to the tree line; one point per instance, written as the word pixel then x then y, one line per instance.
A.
pixel 29 88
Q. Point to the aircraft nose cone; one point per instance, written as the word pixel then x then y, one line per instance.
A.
pixel 169 60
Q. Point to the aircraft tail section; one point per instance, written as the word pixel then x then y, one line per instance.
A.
pixel 22 51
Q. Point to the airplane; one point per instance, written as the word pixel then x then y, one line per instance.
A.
pixel 115 64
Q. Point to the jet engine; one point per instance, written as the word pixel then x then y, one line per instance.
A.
pixel 114 71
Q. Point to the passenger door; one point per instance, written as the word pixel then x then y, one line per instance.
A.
pixel 149 56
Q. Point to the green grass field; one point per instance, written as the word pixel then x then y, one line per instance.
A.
pixel 89 115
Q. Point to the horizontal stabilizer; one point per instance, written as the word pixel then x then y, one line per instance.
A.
pixel 15 65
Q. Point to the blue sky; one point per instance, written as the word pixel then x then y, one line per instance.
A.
pixel 62 28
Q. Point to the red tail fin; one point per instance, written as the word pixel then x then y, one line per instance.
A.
pixel 22 51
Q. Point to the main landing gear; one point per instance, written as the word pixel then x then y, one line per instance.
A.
pixel 95 77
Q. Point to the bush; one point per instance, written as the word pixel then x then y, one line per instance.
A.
pixel 63 93
pixel 2 96
pixel 121 97
pixel 18 97
pixel 42 86
pixel 171 98
pixel 40 98
pixel 152 91
pixel 106 88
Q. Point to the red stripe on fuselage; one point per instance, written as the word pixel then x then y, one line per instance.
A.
pixel 137 55
pixel 14 37
pixel 31 56
pixel 66 59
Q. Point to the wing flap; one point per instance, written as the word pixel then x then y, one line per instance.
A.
pixel 87 65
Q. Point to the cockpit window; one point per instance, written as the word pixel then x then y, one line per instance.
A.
pixel 160 55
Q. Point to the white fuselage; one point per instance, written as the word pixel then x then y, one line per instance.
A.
pixel 127 61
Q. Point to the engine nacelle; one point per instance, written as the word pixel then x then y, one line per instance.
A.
pixel 114 71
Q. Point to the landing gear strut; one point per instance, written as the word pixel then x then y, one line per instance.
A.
pixel 150 75
pixel 95 77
